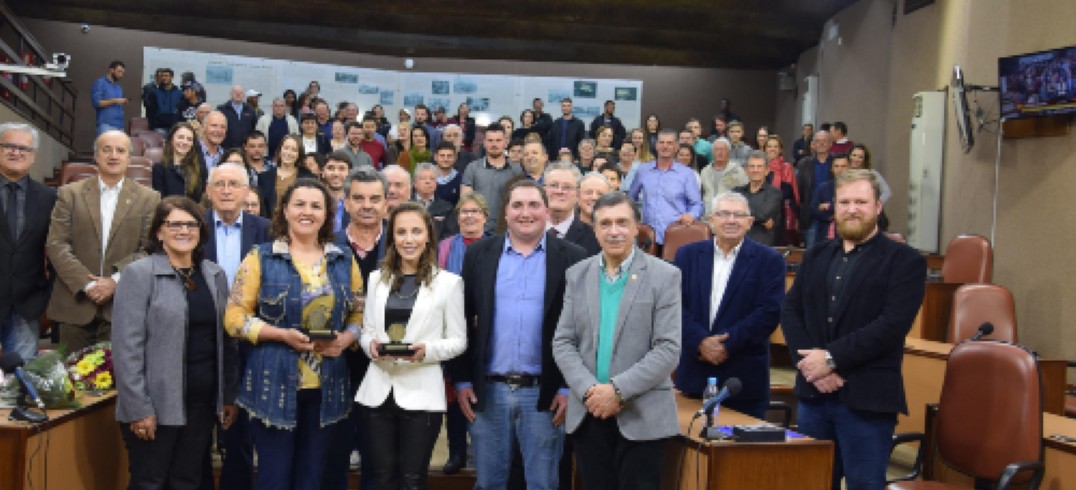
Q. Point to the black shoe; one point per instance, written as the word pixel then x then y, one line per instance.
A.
pixel 455 463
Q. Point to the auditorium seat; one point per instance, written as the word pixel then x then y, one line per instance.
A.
pixel 968 259
pixel 152 138
pixel 76 171
pixel 136 123
pixel 140 161
pixel 646 240
pixel 974 304
pixel 154 154
pixel 989 419
pixel 138 147
pixel 141 174
pixel 896 237
pixel 677 235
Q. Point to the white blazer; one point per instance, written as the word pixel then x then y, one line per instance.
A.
pixel 437 320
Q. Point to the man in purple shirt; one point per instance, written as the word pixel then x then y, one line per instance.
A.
pixel 671 190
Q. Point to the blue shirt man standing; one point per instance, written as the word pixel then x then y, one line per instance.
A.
pixel 108 99
pixel 507 383
pixel 672 190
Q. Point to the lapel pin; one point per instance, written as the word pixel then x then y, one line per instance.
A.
pixel 634 277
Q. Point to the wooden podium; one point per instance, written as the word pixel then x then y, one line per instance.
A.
pixel 74 449
pixel 694 464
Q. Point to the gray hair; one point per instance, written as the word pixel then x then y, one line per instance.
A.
pixel 596 175
pixel 616 198
pixel 731 196
pixel 722 140
pixel 112 131
pixel 225 166
pixel 561 165
pixel 366 174
pixel 425 166
pixel 5 127
pixel 757 155
pixel 395 168
pixel 450 126
pixel 586 141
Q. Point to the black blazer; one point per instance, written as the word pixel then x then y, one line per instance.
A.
pixel 255 231
pixel 440 211
pixel 582 234
pixel 881 299
pixel 479 279
pixel 170 181
pixel 26 285
pixel 239 126
pixel 267 188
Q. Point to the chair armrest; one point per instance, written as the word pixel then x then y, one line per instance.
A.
pixel 1036 468
pixel 917 467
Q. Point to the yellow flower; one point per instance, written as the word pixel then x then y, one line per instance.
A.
pixel 84 367
pixel 103 381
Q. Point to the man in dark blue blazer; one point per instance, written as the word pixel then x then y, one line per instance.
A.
pixel 232 233
pixel 726 334
pixel 241 118
pixel 845 319
pixel 24 226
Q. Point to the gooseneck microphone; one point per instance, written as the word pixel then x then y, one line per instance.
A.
pixel 985 329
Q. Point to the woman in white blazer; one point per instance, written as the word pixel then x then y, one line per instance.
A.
pixel 403 397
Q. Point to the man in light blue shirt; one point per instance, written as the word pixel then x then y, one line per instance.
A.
pixel 108 99
pixel 672 190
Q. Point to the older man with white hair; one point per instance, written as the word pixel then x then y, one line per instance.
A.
pixel 722 175
pixel 241 117
pixel 277 124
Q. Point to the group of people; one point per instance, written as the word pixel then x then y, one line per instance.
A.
pixel 328 299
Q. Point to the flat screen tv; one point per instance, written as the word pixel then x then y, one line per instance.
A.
pixel 1038 84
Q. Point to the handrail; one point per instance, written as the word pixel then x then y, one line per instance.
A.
pixel 46 103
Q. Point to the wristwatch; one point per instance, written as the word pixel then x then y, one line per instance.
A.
pixel 829 361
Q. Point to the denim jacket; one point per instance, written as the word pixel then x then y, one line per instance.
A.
pixel 271 377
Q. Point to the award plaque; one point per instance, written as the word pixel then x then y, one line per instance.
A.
pixel 317 319
pixel 396 329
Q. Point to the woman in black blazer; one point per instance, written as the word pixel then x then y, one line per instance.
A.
pixel 272 182
pixel 180 172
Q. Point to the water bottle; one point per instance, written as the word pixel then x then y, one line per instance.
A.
pixel 711 390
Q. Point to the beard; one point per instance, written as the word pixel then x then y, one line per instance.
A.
pixel 857 231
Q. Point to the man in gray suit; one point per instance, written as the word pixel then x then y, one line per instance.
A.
pixel 621 410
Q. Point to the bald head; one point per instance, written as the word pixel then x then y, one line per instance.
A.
pixel 216 128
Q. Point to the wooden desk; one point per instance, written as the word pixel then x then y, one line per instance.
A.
pixel 1060 457
pixel 924 372
pixel 83 449
pixel 796 464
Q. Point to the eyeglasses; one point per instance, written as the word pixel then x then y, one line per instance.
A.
pixel 13 148
pixel 229 184
pixel 470 212
pixel 180 225
pixel 731 214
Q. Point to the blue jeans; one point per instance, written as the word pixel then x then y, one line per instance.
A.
pixel 862 440
pixel 512 415
pixel 19 335
pixel 293 459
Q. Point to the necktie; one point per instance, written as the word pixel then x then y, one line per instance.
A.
pixel 13 209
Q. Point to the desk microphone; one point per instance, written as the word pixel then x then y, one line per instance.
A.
pixel 985 329
pixel 730 389
pixel 12 362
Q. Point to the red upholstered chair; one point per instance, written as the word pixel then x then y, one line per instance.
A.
pixel 139 161
pixel 154 155
pixel 989 422
pixel 76 171
pixel 677 235
pixel 137 123
pixel 152 139
pixel 974 304
pixel 138 147
pixel 968 259
pixel 647 239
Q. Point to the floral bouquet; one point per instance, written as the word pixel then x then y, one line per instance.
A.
pixel 49 377
pixel 91 368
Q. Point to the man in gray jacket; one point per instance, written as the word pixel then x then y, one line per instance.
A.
pixel 621 410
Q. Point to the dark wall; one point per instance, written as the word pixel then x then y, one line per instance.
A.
pixel 674 93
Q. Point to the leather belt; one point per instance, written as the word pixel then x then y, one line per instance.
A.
pixel 514 380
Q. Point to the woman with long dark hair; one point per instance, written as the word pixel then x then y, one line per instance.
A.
pixel 273 183
pixel 419 150
pixel 413 302
pixel 180 172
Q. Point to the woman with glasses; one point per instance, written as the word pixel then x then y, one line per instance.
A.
pixel 176 372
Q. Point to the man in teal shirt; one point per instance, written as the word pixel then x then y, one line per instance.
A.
pixel 621 411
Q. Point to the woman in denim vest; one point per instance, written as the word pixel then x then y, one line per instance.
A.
pixel 295 387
